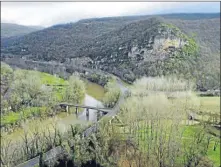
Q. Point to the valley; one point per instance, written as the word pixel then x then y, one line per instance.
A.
pixel 156 76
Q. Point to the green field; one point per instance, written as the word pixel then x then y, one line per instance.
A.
pixel 45 77
pixel 205 108
pixel 210 104
pixel 187 137
pixel 211 154
pixel 23 114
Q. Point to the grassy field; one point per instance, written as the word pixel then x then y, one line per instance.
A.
pixel 211 154
pixel 214 155
pixel 210 104
pixel 46 78
pixel 23 114
pixel 205 108
pixel 189 132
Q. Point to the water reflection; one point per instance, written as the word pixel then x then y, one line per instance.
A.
pixel 90 101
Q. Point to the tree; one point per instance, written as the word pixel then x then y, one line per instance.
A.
pixel 112 94
pixel 15 101
pixel 205 162
pixel 6 77
pixel 30 89
pixel 75 90
pixel 4 105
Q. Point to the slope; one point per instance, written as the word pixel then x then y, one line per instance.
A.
pixel 9 29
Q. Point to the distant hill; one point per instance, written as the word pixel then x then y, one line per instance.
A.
pixel 132 46
pixel 9 30
pixel 191 16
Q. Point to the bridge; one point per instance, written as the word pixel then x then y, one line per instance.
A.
pixel 100 111
pixel 66 105
pixel 56 152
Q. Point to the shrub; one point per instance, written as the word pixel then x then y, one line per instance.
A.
pixel 112 94
pixel 205 162
pixel 75 90
pixel 167 84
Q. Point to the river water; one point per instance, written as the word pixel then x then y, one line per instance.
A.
pixel 90 101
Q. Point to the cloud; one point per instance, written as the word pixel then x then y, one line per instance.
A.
pixel 50 13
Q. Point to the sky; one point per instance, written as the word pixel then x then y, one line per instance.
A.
pixel 50 13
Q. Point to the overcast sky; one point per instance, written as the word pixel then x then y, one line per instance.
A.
pixel 50 13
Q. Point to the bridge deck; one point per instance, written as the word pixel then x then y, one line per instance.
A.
pixel 84 106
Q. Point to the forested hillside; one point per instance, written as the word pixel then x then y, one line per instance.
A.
pixel 9 30
pixel 131 47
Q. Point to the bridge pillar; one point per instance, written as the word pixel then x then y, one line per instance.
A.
pixel 41 160
pixel 102 113
pixel 76 111
pixel 98 115
pixel 87 113
pixel 67 109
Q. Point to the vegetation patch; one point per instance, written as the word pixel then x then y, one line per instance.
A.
pixel 23 114
pixel 112 94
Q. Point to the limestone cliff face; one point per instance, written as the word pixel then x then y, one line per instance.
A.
pixel 158 44
pixel 159 47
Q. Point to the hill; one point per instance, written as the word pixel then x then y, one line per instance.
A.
pixel 9 30
pixel 130 47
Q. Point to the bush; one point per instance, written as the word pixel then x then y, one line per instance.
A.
pixel 170 86
pixel 28 90
pixel 205 162
pixel 75 90
pixel 112 94
pixel 6 70
pixel 6 77
pixel 166 84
